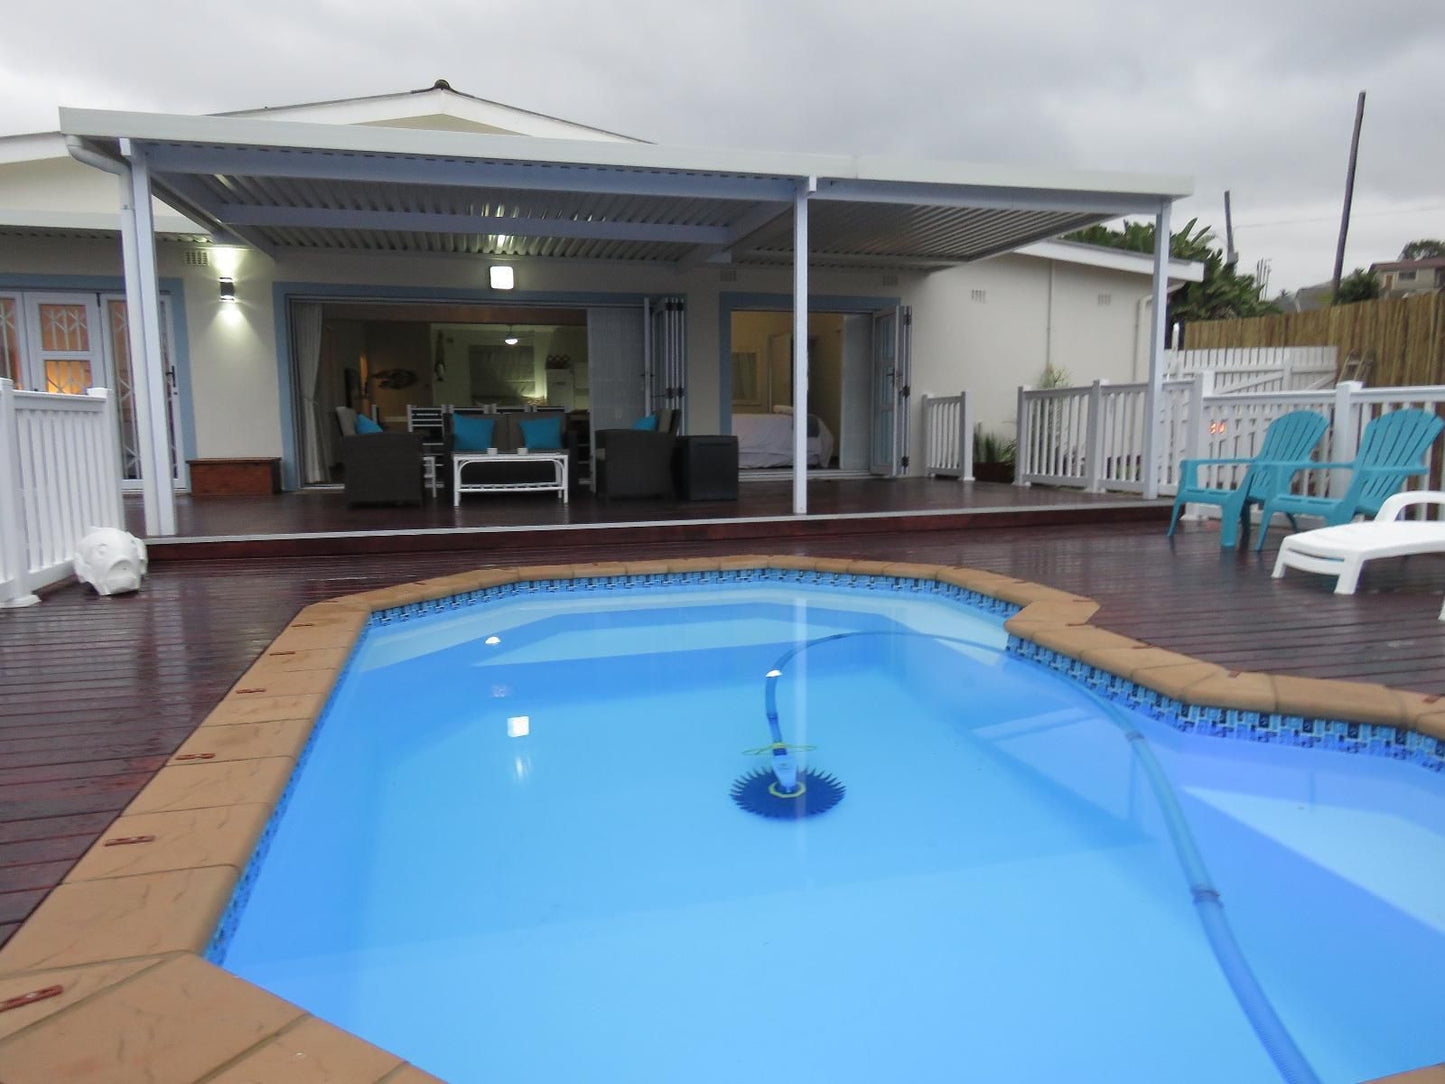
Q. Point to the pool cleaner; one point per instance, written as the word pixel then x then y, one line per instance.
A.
pixel 783 790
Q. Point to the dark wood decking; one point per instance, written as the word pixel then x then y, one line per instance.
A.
pixel 96 693
pixel 318 522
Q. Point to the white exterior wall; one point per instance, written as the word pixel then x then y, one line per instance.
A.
pixel 988 347
pixel 62 190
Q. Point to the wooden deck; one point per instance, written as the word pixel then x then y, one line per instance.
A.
pixel 317 522
pixel 96 693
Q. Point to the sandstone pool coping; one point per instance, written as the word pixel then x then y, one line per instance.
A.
pixel 109 967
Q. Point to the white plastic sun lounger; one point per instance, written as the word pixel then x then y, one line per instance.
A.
pixel 1342 550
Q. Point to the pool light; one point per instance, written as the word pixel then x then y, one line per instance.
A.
pixel 493 640
pixel 519 726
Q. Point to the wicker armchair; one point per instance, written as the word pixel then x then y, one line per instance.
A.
pixel 382 468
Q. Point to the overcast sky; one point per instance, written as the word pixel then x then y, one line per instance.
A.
pixel 1257 98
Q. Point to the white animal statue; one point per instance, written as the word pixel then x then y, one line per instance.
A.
pixel 110 560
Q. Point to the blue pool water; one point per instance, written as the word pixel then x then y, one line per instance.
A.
pixel 517 860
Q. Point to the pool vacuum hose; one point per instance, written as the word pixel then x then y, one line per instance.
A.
pixel 788 791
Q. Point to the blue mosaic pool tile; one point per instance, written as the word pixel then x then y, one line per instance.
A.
pixel 1369 739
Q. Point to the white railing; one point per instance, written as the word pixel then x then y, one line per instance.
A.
pixel 59 478
pixel 1264 368
pixel 1090 437
pixel 948 436
pixel 1094 437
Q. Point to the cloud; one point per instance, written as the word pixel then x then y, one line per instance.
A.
pixel 1256 98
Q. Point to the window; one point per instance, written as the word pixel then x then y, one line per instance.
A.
pixel 1407 276
pixel 10 340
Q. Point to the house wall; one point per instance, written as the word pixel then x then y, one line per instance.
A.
pixel 33 190
pixel 992 326
pixel 988 345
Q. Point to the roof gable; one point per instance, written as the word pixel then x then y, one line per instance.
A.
pixel 437 107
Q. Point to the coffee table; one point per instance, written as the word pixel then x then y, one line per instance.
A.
pixel 557 483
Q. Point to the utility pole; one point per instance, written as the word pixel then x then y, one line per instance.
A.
pixel 1349 196
pixel 1230 256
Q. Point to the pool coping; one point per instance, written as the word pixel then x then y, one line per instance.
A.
pixel 109 973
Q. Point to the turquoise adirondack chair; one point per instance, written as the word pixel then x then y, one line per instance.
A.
pixel 1392 449
pixel 1289 438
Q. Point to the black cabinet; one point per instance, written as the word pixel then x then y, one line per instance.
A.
pixel 705 468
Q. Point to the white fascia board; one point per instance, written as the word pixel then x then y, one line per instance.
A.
pixel 385 107
pixel 291 135
pixel 92 220
pixel 989 175
pixel 1115 259
pixel 33 147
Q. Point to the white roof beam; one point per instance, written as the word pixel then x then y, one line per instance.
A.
pixel 241 214
pixel 461 173
pixel 191 198
pixel 1103 204
pixel 737 233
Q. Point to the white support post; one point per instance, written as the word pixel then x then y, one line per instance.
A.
pixel 965 437
pixel 1094 477
pixel 14 555
pixel 800 345
pixel 1153 438
pixel 930 438
pixel 142 300
pixel 1197 435
pixel 1022 436
pixel 1344 433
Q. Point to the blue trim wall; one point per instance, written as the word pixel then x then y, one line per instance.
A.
pixel 728 303
pixel 283 293
pixel 175 291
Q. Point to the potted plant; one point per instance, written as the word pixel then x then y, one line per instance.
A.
pixel 993 456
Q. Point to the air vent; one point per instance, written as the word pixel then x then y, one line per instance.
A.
pixel 198 257
pixel 1106 299
pixel 978 295
pixel 728 274
pixel 889 280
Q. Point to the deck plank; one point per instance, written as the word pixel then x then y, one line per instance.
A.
pixel 96 693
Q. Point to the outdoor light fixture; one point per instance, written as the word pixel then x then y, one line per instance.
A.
pixel 502 276
pixel 228 289
pixel 511 339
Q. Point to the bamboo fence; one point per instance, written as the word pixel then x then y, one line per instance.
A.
pixel 1405 336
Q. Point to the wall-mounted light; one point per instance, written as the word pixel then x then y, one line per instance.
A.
pixel 511 337
pixel 228 289
pixel 502 276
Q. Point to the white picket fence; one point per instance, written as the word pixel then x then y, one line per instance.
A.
pixel 59 477
pixel 1093 437
pixel 948 436
pixel 1257 369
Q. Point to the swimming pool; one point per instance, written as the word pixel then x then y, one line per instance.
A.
pixel 510 853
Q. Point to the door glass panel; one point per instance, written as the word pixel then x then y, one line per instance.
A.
pixel 10 341
pixel 118 327
pixel 63 327
pixel 67 376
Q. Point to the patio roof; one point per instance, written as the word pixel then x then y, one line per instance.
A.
pixel 285 185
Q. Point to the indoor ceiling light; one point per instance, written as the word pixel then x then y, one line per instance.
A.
pixel 502 276
pixel 511 339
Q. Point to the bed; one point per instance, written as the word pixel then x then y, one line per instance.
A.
pixel 766 440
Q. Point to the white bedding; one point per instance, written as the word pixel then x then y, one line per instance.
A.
pixel 766 440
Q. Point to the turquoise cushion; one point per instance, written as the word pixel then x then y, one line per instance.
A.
pixel 472 434
pixel 542 434
pixel 649 422
pixel 365 425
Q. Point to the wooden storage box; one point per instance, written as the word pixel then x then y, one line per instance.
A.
pixel 235 477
